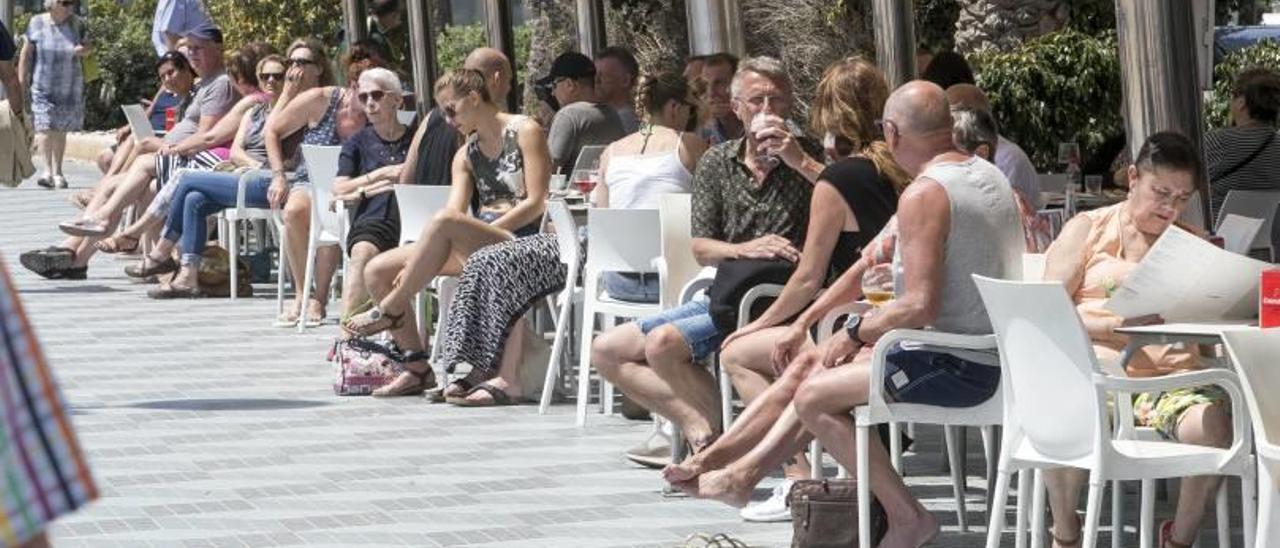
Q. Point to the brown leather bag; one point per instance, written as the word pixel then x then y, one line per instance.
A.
pixel 824 514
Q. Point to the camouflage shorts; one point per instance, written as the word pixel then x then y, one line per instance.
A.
pixel 1163 410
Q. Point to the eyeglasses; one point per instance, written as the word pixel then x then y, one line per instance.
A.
pixel 1164 195
pixel 271 76
pixel 882 127
pixel 68 3
pixel 299 62
pixel 376 95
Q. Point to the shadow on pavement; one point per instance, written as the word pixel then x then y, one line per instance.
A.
pixel 71 289
pixel 230 404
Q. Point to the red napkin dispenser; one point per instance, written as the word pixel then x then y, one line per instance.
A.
pixel 1269 299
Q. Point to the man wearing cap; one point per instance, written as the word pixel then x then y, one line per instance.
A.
pixel 173 20
pixel 581 120
pixel 184 144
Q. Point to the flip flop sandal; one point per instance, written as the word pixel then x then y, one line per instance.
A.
pixel 83 227
pixel 112 245
pixel 417 390
pixel 500 398
pixel 1166 536
pixel 389 322
pixel 175 292
pixel 141 270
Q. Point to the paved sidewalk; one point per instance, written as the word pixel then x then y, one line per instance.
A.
pixel 207 427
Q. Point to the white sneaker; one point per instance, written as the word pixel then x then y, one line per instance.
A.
pixel 774 509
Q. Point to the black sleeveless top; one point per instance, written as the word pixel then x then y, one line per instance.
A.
pixel 872 199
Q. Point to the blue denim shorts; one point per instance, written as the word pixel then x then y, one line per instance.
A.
pixel 631 287
pixel 693 321
pixel 937 378
pixel 524 231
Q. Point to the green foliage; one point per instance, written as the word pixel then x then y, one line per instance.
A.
pixel 936 24
pixel 277 23
pixel 456 41
pixel 1093 16
pixel 122 40
pixel 1061 87
pixel 1264 54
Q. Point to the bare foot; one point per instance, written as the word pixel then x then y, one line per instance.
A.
pixel 911 531
pixel 683 472
pixel 721 485
pixel 290 314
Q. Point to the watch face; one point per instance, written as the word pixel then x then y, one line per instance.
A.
pixel 375 314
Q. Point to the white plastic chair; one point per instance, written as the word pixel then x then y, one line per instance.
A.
pixel 1256 355
pixel 406 117
pixel 618 240
pixel 1047 357
pixel 570 255
pixel 1239 232
pixel 229 221
pixel 1258 204
pixel 328 227
pixel 418 205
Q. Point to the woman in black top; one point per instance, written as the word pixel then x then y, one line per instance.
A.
pixel 852 201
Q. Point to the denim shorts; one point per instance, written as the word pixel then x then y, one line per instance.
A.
pixel 937 378
pixel 522 232
pixel 631 287
pixel 693 321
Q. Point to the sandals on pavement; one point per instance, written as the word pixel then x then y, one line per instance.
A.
pixel 170 292
pixel 117 244
pixel 373 322
pixel 500 398
pixel 1166 536
pixel 145 270
pixel 84 227
pixel 81 199
pixel 426 379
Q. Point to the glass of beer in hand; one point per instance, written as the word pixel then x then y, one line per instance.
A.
pixel 877 284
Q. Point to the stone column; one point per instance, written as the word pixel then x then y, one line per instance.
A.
pixel 497 22
pixel 422 51
pixel 591 31
pixel 895 40
pixel 715 26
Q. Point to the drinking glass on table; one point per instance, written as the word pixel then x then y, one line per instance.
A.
pixel 877 284
pixel 1093 184
pixel 585 180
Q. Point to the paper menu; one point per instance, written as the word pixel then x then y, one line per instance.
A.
pixel 1184 278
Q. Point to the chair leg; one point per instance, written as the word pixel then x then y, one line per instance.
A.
pixel 1268 517
pixel 995 526
pixel 957 475
pixel 991 452
pixel 1223 513
pixel 233 249
pixel 863 462
pixel 1024 500
pixel 1147 509
pixel 420 312
pixel 895 447
pixel 557 349
pixel 726 397
pixel 1037 509
pixel 815 459
pixel 1117 514
pixel 606 389
pixel 1248 505
pixel 1092 508
pixel 281 261
pixel 584 356
pixel 306 279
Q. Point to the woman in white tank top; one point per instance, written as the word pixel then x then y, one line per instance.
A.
pixel 658 159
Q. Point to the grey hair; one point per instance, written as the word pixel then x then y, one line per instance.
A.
pixel 974 128
pixel 49 4
pixel 763 65
pixel 383 78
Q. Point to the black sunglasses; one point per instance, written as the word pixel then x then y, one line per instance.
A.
pixel 269 76
pixel 376 95
pixel 68 3
pixel 300 62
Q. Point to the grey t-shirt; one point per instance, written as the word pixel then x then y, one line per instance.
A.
pixel 214 97
pixel 581 124
pixel 630 122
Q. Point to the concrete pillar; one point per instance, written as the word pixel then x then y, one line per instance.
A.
pixel 895 40
pixel 715 26
pixel 1158 71
pixel 422 51
pixel 353 19
pixel 6 14
pixel 497 23
pixel 591 30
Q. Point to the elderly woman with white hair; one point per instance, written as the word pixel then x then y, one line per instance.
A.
pixel 369 166
pixel 51 58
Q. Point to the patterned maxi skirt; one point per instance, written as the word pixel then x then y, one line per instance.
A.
pixel 43 473
pixel 498 284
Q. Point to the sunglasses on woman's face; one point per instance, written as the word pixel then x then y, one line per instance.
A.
pixel 298 62
pixel 68 3
pixel 271 76
pixel 376 95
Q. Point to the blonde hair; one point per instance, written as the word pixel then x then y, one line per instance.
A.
pixel 851 97
pixel 462 82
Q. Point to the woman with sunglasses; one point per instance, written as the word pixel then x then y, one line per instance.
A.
pixel 368 169
pixel 503 168
pixel 324 114
pixel 199 194
pixel 212 148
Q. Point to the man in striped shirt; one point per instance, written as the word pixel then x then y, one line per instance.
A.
pixel 1246 156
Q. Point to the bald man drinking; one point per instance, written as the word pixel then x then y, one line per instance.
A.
pixel 957 218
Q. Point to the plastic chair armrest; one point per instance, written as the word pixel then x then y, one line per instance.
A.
pixel 1227 380
pixel 749 299
pixel 1268 451
pixel 699 283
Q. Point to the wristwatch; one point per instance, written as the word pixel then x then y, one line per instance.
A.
pixel 851 327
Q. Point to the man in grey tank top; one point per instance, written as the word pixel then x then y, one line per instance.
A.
pixel 958 218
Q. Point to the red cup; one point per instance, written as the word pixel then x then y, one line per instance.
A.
pixel 170 117
pixel 1269 299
